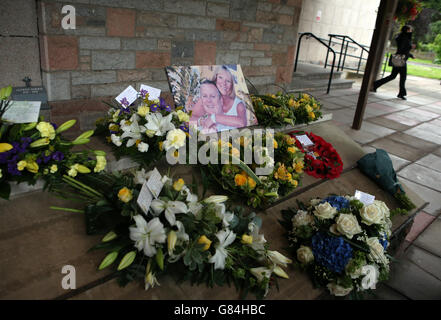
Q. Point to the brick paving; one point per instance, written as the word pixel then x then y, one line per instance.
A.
pixel 411 133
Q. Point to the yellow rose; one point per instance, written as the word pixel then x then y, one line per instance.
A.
pixel 46 130
pixel 183 117
pixel 311 115
pixel 204 240
pixel 246 239
pixel 240 180
pixel 143 110
pixel 178 184
pixel 125 195
pixel 251 183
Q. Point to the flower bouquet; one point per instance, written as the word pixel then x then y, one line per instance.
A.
pixel 321 159
pixel 281 109
pixel 407 10
pixel 340 242
pixel 286 168
pixel 37 150
pixel 198 240
pixel 146 131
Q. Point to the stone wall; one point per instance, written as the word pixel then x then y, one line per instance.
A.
pixel 128 42
pixel 354 18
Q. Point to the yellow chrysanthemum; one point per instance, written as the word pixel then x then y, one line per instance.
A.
pixel 251 183
pixel 240 180
pixel 125 195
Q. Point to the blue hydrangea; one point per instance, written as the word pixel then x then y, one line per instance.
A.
pixel 331 252
pixel 337 202
pixel 383 241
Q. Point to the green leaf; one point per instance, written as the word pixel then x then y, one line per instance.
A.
pixel 127 260
pixel 108 260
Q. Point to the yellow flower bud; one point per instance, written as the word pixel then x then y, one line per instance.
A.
pixel 66 125
pixel 280 272
pixel 246 239
pixel 204 240
pixel 21 165
pixel 178 184
pixel 40 142
pixel 5 147
pixel 82 169
pixel 32 167
pixel 171 241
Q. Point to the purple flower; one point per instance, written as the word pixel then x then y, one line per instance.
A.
pixel 58 156
pixel 124 102
pixel 184 127
pixel 54 125
pixel 143 93
pixel 163 105
pixel 38 161
pixel 154 108
pixel 12 167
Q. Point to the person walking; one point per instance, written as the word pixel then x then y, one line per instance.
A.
pixel 404 45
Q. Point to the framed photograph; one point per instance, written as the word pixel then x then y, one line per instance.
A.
pixel 217 96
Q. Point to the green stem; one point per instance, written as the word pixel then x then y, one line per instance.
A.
pixel 83 186
pixel 81 189
pixel 67 209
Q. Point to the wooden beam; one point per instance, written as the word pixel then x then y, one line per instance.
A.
pixel 386 11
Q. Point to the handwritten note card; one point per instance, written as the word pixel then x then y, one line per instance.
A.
pixel 22 111
pixel 145 198
pixel 127 97
pixel 365 198
pixel 154 93
pixel 304 140
pixel 154 183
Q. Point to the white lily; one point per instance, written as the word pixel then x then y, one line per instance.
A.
pixel 141 176
pixel 261 273
pixel 278 258
pixel 258 239
pixel 134 131
pixel 191 197
pixel 216 199
pixel 146 234
pixel 161 125
pixel 225 237
pixel 171 208
pixel 116 139
pixel 226 217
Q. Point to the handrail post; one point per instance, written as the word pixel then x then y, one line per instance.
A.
pixel 344 58
pixel 359 62
pixel 298 49
pixel 330 76
pixel 341 53
pixel 327 53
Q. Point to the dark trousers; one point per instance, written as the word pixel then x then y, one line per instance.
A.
pixel 395 71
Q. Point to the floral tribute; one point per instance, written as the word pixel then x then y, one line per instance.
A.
pixel 281 109
pixel 241 181
pixel 31 151
pixel 144 132
pixel 407 10
pixel 203 241
pixel 321 159
pixel 340 242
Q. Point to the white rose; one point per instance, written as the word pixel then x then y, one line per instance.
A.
pixel 305 255
pixel 383 207
pixel 376 250
pixel 372 214
pixel 143 147
pixel 315 202
pixel 325 211
pixel 302 218
pixel 116 140
pixel 347 225
pixel 175 139
pixel 337 290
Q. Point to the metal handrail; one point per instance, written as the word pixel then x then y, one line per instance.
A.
pixel 350 40
pixel 309 34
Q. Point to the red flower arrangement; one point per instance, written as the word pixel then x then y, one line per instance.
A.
pixel 321 159
pixel 407 10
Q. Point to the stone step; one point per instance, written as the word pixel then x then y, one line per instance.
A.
pixel 307 71
pixel 300 85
